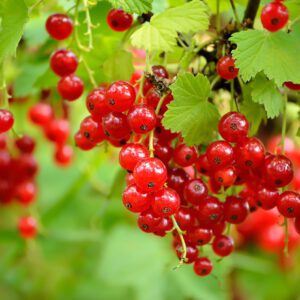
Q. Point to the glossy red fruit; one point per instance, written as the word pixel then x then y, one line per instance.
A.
pixel 176 180
pixel 25 144
pixel 150 174
pixel 6 120
pixel 119 20
pixel 292 86
pixel 203 266
pixel 219 154
pixel 163 151
pixel 26 192
pixel 136 200
pixel 120 96
pixel 250 154
pixel 297 225
pixel 63 62
pixel 209 211
pixel 95 103
pixel 235 210
pixel 225 176
pixel 267 198
pixel 27 227
pixel 233 127
pixel 184 155
pixel 70 87
pixel 195 190
pixel 202 164
pixel 118 143
pixel 200 236
pixel 162 133
pixel 274 16
pixel 166 202
pixel 58 131
pixel 141 118
pixel 131 154
pixel 160 71
pixel 152 97
pixel 41 114
pixel 59 26
pixel 185 218
pixel 191 253
pixel 63 155
pixel 27 167
pixel 115 125
pixel 288 204
pixel 226 68
pixel 148 221
pixel 92 130
pixel 278 171
pixel 223 245
pixel 82 142
pixel 218 228
pixel 164 225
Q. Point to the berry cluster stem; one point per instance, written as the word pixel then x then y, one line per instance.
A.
pixel 89 24
pixel 3 87
pixel 89 71
pixel 180 233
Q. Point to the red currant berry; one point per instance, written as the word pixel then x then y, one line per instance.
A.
pixel 195 191
pixel 235 210
pixel 297 225
pixel 219 154
pixel 160 71
pixel 202 164
pixel 129 179
pixel 164 225
pixel 152 97
pixel 63 155
pixel 115 125
pixel 191 253
pixel 95 103
pixel 176 180
pixel 3 140
pixel 6 120
pixel 185 218
pixel 118 143
pixel 200 236
pixel 226 68
pixel 292 86
pixel 223 245
pixel 150 174
pixel 250 154
pixel 25 144
pixel 59 26
pixel 233 127
pixel 70 87
pixel 120 96
pixel 166 202
pixel 267 198
pixel 203 266
pixel 63 62
pixel 288 204
pixel 274 16
pixel 135 200
pixel 209 211
pixel 58 131
pixel 119 20
pixel 162 133
pixel 131 154
pixel 226 176
pixel 278 171
pixel 218 228
pixel 27 227
pixel 184 155
pixel 148 221
pixel 163 151
pixel 92 130
pixel 41 114
pixel 82 142
pixel 141 118
pixel 26 192
pixel 27 166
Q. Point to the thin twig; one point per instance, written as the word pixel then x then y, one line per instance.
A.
pixel 235 12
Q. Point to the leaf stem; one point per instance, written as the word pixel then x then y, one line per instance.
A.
pixel 183 244
pixel 250 12
pixel 35 5
pixel 89 71
pixel 89 24
pixel 235 13
pixel 286 237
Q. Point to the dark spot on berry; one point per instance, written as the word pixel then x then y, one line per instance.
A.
pixel 112 102
pixel 87 135
pixel 204 271
pixel 217 160
pixel 128 205
pixel 274 21
pixel 197 187
pixel 248 163
pixel 158 129
pixel 143 127
pixel 91 106
pixel 220 179
pixel 166 210
pixel 278 182
pixel 188 157
pixel 290 210
pixel 233 126
pixel 221 245
pixel 106 133
pixel 123 142
pixel 200 242
pixel 231 69
pixel 203 171
pixel 115 23
pixel 234 217
pixel 213 217
pixel 151 184
pixel 145 226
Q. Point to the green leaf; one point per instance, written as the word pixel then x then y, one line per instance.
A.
pixel 265 92
pixel 276 54
pixel 254 112
pixel 160 33
pixel 190 113
pixel 13 14
pixel 119 66
pixel 133 6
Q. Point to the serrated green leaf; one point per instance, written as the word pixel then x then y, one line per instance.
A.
pixel 13 14
pixel 254 112
pixel 276 54
pixel 133 6
pixel 265 92
pixel 190 113
pixel 160 33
